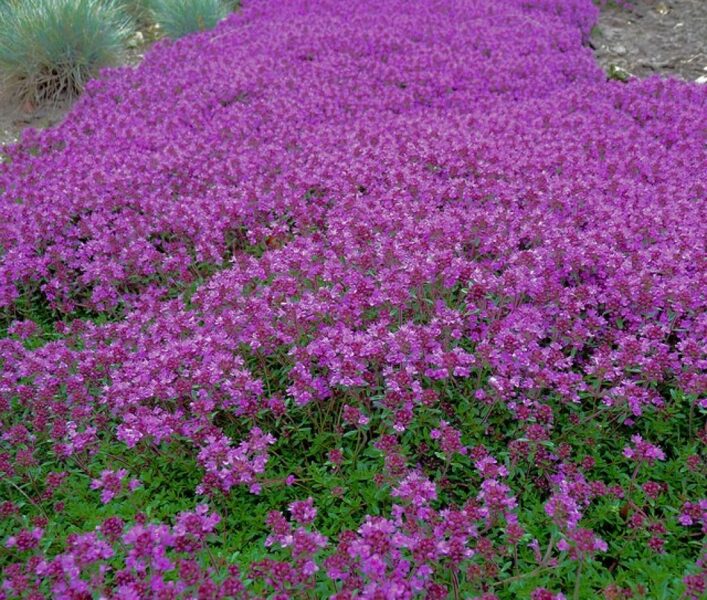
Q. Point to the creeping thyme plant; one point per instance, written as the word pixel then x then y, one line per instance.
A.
pixel 383 299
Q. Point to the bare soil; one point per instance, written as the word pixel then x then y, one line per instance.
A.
pixel 664 37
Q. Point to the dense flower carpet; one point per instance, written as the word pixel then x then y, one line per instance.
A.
pixel 392 299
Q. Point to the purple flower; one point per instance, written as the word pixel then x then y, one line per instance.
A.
pixel 111 484
pixel 643 451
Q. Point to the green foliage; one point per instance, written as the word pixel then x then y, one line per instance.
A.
pixel 49 49
pixel 178 18
pixel 618 74
pixel 345 492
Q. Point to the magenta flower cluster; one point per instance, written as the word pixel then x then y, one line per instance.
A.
pixel 111 484
pixel 384 199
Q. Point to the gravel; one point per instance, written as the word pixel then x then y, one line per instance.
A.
pixel 667 38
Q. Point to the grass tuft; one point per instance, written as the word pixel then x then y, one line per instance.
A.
pixel 49 49
pixel 178 18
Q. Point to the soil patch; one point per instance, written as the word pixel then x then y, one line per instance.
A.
pixel 665 37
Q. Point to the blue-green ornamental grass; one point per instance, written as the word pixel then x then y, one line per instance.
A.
pixel 49 49
pixel 178 18
pixel 139 11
